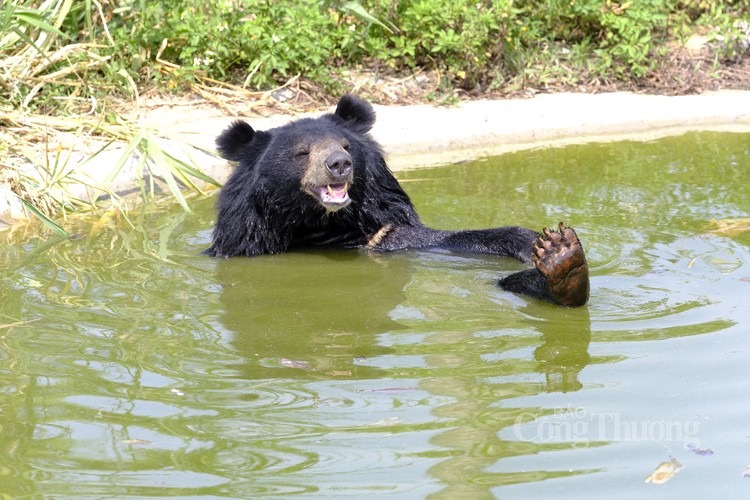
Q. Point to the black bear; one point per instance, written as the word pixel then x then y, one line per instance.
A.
pixel 324 181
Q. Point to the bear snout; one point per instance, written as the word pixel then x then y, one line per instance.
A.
pixel 329 174
pixel 339 164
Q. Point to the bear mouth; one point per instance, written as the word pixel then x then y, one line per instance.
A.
pixel 332 196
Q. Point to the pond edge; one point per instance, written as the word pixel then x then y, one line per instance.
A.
pixel 425 135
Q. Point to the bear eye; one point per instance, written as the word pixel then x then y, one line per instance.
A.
pixel 301 153
pixel 345 146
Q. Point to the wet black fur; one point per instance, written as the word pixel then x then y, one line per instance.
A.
pixel 263 210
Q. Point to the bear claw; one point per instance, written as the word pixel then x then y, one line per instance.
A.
pixel 559 256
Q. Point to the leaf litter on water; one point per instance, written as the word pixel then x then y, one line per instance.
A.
pixel 730 227
pixel 664 472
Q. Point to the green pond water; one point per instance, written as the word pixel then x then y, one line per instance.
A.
pixel 131 366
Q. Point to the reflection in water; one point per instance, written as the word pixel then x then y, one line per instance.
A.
pixel 316 311
pixel 324 334
pixel 480 410
pixel 88 328
pixel 564 350
pixel 131 365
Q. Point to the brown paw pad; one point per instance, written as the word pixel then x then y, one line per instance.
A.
pixel 559 256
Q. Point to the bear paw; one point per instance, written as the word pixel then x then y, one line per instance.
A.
pixel 559 257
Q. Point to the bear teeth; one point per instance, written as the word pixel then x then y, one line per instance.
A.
pixel 339 191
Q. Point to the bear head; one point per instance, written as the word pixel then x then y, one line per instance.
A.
pixel 313 156
pixel 313 181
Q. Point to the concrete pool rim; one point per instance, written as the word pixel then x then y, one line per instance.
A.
pixel 423 134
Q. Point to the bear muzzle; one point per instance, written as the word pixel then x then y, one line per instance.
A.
pixel 329 183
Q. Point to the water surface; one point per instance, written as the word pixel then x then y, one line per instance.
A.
pixel 132 366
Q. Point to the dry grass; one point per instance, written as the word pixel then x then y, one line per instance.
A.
pixel 34 166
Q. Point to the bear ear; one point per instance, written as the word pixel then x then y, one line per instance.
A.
pixel 234 141
pixel 355 114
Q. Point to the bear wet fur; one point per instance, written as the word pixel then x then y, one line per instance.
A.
pixel 324 181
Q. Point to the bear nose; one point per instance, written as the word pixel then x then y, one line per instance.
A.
pixel 339 163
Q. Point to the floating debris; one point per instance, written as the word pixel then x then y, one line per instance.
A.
pixel 290 363
pixel 664 472
pixel 386 422
pixel 394 389
pixel 177 392
pixel 136 441
pixel 731 227
pixel 17 323
pixel 704 452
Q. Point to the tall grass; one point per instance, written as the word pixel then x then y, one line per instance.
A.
pixel 45 82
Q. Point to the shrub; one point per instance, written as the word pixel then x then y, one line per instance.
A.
pixel 266 41
pixel 472 43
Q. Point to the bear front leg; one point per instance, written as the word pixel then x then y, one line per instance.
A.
pixel 561 273
pixel 508 241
